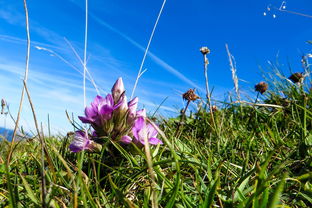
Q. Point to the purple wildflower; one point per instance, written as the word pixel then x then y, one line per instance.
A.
pixel 142 131
pixel 141 113
pixel 126 139
pixel 81 142
pixel 132 106
pixel 100 111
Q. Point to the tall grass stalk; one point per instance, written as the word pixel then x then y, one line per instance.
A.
pixel 208 95
pixel 146 49
pixel 25 74
pixel 233 70
pixel 85 54
pixel 41 138
pixel 13 202
pixel 82 63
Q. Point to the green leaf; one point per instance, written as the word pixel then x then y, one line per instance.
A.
pixel 240 189
pixel 210 193
pixel 308 140
pixel 29 191
pixel 275 199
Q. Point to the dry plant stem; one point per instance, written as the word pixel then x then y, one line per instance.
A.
pixel 292 12
pixel 150 169
pixel 206 62
pixel 258 104
pixel 85 57
pixel 25 80
pixel 78 57
pixel 233 69
pixel 182 118
pixel 147 47
pixel 43 183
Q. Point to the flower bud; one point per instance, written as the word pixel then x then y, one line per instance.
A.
pixel 118 89
pixel 132 106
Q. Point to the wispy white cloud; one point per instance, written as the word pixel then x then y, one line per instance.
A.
pixel 155 58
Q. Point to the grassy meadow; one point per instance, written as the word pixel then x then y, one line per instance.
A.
pixel 241 154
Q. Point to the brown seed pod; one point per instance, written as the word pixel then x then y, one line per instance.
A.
pixel 296 77
pixel 261 87
pixel 204 50
pixel 190 95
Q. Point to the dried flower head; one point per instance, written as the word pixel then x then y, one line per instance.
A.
pixel 214 108
pixel 204 50
pixel 3 104
pixel 261 87
pixel 296 77
pixel 190 95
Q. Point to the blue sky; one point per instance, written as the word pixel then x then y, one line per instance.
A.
pixel 118 33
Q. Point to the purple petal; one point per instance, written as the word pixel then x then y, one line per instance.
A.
pixel 141 113
pixel 133 102
pixel 135 134
pixel 109 99
pixel 126 139
pixel 132 105
pixel 123 104
pixel 94 134
pixel 90 112
pixel 151 131
pixel 106 109
pixel 84 119
pixel 97 100
pixel 106 112
pixel 154 141
pixel 80 142
pixel 139 123
pixel 75 148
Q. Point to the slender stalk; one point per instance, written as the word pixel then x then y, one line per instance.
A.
pixel 208 95
pixel 25 75
pixel 41 138
pixel 151 172
pixel 182 118
pixel 147 47
pixel 233 70
pixel 85 56
pixel 78 57
pixel 49 127
pixel 7 166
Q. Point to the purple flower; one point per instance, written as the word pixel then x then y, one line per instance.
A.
pixel 141 113
pixel 118 89
pixel 132 106
pixel 81 142
pixel 100 111
pixel 126 139
pixel 142 131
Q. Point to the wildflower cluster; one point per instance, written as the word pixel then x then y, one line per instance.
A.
pixel 113 117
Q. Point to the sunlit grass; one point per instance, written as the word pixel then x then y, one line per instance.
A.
pixel 255 156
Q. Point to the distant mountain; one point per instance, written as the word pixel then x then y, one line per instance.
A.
pixel 8 134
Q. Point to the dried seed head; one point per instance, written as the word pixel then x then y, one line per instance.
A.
pixel 296 77
pixel 214 108
pixel 3 104
pixel 261 87
pixel 190 95
pixel 204 50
